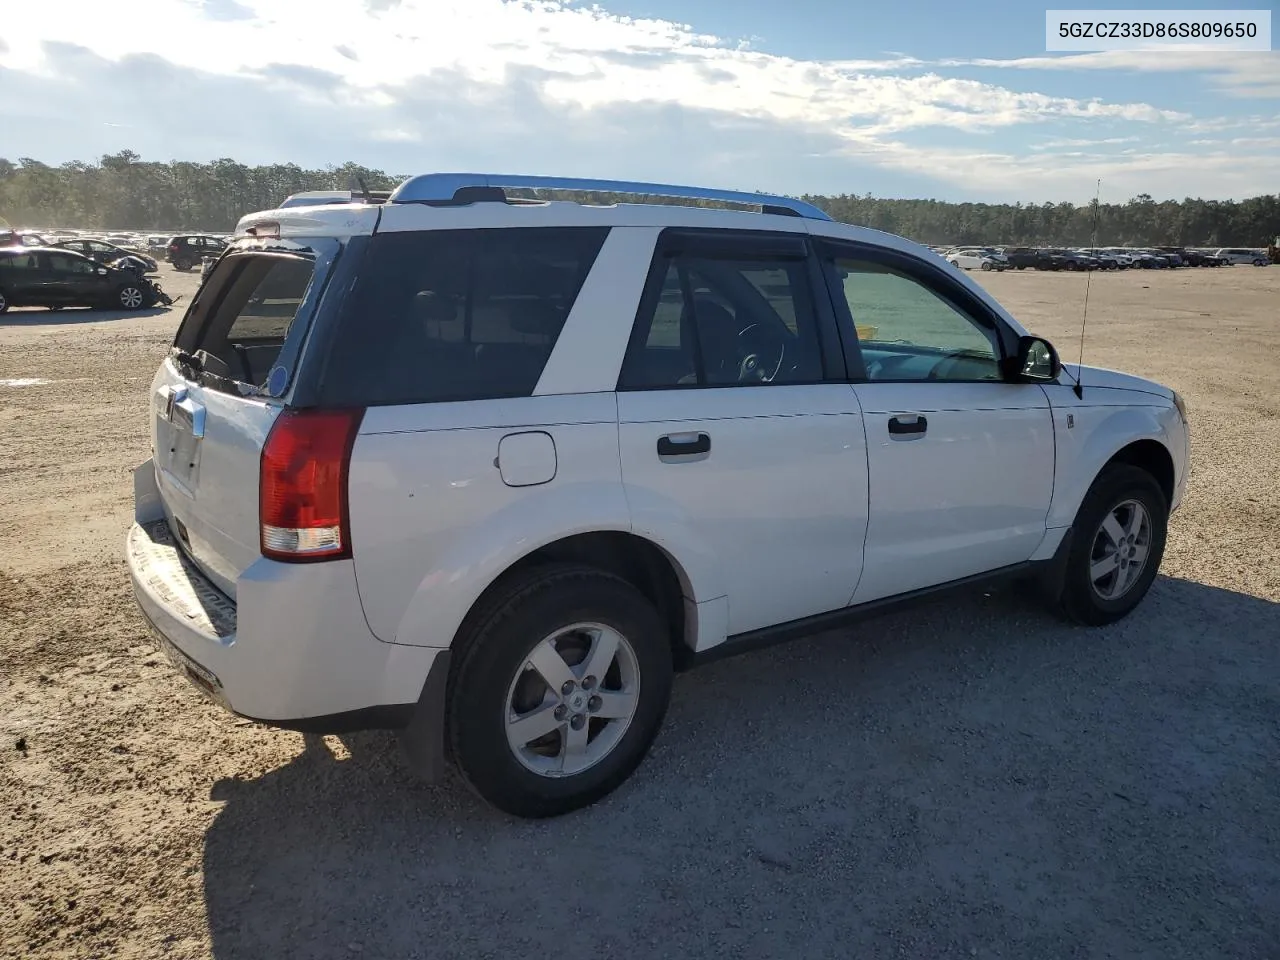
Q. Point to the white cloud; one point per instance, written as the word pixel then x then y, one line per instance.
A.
pixel 1082 142
pixel 1244 75
pixel 460 79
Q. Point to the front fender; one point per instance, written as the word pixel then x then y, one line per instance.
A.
pixel 1087 437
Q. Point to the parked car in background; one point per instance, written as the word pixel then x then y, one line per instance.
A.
pixel 1055 258
pixel 972 259
pixel 1095 260
pixel 189 249
pixel 1238 255
pixel 1121 257
pixel 1020 258
pixel 1185 257
pixel 104 252
pixel 1148 260
pixel 54 277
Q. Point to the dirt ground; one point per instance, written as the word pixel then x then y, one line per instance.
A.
pixel 966 778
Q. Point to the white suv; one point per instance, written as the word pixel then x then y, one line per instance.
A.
pixel 489 470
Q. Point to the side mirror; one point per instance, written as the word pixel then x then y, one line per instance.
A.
pixel 1037 361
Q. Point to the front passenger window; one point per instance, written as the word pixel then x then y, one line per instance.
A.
pixel 908 332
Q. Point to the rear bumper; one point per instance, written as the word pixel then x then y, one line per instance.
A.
pixel 292 651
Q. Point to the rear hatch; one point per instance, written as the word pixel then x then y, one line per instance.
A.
pixel 221 388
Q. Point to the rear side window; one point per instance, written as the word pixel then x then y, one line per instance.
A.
pixel 456 314
pixel 25 261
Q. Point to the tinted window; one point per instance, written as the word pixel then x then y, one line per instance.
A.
pixel 456 314
pixel 62 263
pixel 907 331
pixel 26 261
pixel 725 322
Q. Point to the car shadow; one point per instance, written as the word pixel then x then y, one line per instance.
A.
pixel 42 317
pixel 967 777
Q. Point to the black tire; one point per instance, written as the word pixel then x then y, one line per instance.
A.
pixel 1074 594
pixel 491 649
pixel 4 302
pixel 183 263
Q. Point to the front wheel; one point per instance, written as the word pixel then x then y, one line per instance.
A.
pixel 561 685
pixel 4 302
pixel 130 297
pixel 985 265
pixel 1117 544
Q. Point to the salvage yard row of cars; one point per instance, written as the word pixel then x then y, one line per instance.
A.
pixel 114 272
pixel 184 250
pixel 1096 258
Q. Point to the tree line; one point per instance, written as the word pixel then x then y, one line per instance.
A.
pixel 123 192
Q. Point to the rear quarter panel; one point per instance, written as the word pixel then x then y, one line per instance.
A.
pixel 432 521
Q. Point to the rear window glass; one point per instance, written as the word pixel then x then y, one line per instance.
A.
pixel 456 314
pixel 248 317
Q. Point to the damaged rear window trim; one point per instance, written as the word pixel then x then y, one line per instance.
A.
pixel 322 261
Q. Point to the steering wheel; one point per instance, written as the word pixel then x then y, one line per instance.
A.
pixel 755 365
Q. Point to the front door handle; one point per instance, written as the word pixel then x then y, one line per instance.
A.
pixel 683 444
pixel 908 426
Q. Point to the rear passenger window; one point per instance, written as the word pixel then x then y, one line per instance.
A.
pixel 457 314
pixel 727 322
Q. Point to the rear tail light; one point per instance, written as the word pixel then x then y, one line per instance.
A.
pixel 173 248
pixel 302 493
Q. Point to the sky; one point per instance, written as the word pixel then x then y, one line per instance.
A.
pixel 909 98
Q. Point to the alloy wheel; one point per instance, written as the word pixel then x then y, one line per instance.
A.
pixel 573 700
pixel 1120 548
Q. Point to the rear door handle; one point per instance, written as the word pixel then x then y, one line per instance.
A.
pixel 908 426
pixel 683 444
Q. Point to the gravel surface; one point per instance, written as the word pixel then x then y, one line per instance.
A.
pixel 966 778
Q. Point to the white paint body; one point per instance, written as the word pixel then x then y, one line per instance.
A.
pixel 804 505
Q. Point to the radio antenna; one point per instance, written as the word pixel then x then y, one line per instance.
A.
pixel 1084 318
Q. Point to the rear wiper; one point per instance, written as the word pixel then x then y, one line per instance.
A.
pixel 188 360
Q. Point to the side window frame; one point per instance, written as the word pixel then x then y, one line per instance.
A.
pixel 930 276
pixel 734 244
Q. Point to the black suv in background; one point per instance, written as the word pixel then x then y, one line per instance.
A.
pixel 187 250
pixel 104 252
pixel 1020 257
pixel 56 278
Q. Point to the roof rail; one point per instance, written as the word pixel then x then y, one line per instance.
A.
pixel 469 187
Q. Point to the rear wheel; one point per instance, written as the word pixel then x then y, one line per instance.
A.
pixel 183 263
pixel 1117 544
pixel 4 302
pixel 561 685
